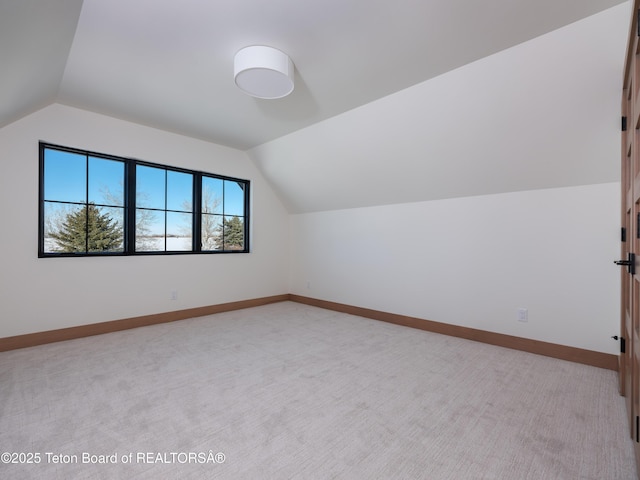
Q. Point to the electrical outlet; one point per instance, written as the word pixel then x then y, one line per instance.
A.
pixel 523 315
pixel 174 294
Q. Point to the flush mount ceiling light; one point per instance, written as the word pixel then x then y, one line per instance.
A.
pixel 263 72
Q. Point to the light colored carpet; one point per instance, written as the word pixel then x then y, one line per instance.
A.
pixel 289 391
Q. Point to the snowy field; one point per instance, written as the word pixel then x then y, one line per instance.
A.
pixel 152 244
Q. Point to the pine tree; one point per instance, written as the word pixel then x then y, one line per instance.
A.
pixel 104 234
pixel 230 234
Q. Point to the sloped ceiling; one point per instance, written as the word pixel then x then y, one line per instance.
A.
pixel 169 64
pixel 542 114
pixel 35 39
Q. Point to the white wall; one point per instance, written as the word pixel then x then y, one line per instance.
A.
pixel 474 261
pixel 452 244
pixel 44 294
pixel 542 114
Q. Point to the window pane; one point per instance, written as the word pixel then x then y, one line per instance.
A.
pixel 150 231
pixel 144 220
pixel 233 198
pixel 179 228
pixel 106 229
pixel 211 195
pixel 65 176
pixel 211 232
pixel 56 234
pixel 106 182
pixel 67 227
pixel 233 233
pixel 150 187
pixel 179 191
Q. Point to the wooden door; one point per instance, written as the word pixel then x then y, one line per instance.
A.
pixel 626 294
pixel 629 364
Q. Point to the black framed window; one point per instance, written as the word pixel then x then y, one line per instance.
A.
pixel 222 220
pixel 164 210
pixel 96 204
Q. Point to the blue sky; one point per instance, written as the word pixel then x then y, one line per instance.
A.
pixel 66 174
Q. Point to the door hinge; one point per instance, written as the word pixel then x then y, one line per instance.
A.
pixel 637 429
pixel 624 124
pixel 622 343
pixel 623 234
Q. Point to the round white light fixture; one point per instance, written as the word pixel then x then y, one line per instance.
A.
pixel 263 72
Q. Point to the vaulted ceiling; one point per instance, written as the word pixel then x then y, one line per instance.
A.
pixel 169 65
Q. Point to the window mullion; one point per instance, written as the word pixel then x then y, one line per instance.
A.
pixel 222 231
pixel 196 211
pixel 130 205
pixel 86 206
pixel 166 216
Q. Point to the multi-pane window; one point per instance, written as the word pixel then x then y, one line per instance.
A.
pixel 83 203
pixel 164 212
pixel 222 213
pixel 94 204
